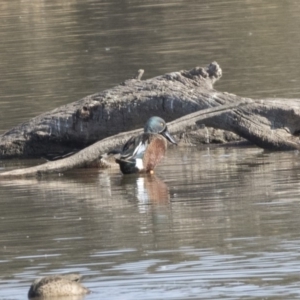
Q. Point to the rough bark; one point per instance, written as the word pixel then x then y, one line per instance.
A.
pixel 269 123
pixel 92 155
pixel 122 108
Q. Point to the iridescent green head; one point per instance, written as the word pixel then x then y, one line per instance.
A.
pixel 158 125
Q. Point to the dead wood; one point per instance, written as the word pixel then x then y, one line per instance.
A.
pixel 269 123
pixel 122 108
pixel 91 156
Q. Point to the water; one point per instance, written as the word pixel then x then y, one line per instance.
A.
pixel 53 53
pixel 226 227
pixel 212 223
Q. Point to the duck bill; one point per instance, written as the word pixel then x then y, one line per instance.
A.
pixel 168 136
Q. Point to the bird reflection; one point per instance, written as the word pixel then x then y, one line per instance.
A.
pixel 148 189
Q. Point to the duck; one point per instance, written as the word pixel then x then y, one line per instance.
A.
pixel 142 153
pixel 57 286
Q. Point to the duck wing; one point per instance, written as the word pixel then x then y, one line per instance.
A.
pixel 135 147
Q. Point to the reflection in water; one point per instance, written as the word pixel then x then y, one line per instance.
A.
pixel 149 189
pixel 153 198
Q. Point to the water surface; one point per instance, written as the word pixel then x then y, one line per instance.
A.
pixel 53 53
pixel 217 223
pixel 212 223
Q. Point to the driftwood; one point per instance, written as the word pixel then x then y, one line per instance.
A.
pixel 269 123
pixel 122 108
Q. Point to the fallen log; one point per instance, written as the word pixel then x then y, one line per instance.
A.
pixel 269 123
pixel 92 155
pixel 122 108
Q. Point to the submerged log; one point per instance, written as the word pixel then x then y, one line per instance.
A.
pixel 269 123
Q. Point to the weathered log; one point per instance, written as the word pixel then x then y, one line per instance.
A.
pixel 272 124
pixel 91 156
pixel 269 123
pixel 122 108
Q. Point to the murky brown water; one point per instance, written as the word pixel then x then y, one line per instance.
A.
pixel 211 224
pixel 52 53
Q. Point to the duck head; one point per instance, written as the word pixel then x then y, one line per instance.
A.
pixel 159 126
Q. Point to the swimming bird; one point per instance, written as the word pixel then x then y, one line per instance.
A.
pixel 56 286
pixel 143 152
